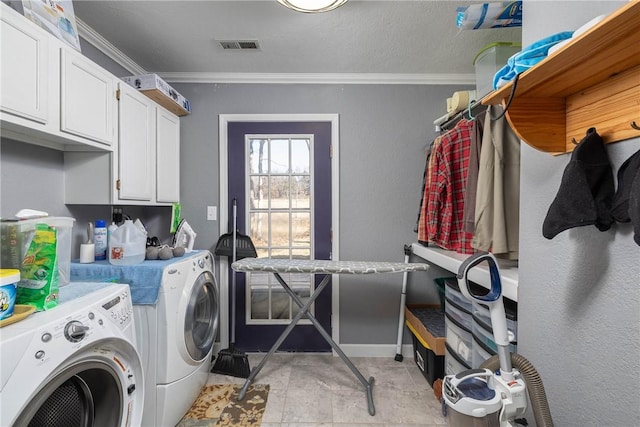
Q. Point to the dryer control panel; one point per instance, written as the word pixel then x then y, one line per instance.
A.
pixel 119 309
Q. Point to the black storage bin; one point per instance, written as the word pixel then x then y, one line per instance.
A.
pixel 430 364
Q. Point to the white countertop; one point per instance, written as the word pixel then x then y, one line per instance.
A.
pixel 450 260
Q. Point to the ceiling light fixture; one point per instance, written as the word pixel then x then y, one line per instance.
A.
pixel 312 6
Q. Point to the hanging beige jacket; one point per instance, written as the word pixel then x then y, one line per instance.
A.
pixel 497 214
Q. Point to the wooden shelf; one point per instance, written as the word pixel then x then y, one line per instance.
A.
pixel 451 261
pixel 593 81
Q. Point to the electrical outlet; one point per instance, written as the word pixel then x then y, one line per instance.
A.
pixel 212 213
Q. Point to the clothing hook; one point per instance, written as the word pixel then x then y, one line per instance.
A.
pixel 573 141
pixel 635 125
pixel 471 117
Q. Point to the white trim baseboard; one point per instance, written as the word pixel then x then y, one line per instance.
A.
pixel 376 350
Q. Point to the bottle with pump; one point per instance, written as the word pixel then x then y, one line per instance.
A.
pixel 100 240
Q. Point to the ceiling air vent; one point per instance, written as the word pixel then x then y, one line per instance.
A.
pixel 240 44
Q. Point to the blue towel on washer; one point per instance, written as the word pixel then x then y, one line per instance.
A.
pixel 527 58
pixel 144 279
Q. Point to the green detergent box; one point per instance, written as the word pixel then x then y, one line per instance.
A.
pixel 16 237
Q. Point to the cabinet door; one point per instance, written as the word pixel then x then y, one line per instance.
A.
pixel 23 68
pixel 87 104
pixel 136 146
pixel 168 156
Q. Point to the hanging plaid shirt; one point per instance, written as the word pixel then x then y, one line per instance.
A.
pixel 423 236
pixel 445 198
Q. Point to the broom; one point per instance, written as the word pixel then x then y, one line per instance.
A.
pixel 231 361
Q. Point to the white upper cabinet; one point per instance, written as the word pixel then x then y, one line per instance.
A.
pixel 144 167
pixel 136 147
pixel 167 156
pixel 51 94
pixel 87 98
pixel 23 72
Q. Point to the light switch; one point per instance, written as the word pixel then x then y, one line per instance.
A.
pixel 212 213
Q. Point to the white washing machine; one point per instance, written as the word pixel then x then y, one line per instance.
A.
pixel 73 365
pixel 176 338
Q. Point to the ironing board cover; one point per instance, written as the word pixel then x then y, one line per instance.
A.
pixel 325 266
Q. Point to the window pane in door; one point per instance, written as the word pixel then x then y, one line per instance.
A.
pixel 279 156
pixel 281 224
pixel 300 156
pixel 258 156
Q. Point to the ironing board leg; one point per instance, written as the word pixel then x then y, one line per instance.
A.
pixel 304 309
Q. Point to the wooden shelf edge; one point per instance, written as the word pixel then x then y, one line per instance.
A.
pixel 451 261
pixel 570 66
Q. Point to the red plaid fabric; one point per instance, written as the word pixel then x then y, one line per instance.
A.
pixel 445 193
pixel 423 236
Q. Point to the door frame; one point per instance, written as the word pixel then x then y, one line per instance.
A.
pixel 223 220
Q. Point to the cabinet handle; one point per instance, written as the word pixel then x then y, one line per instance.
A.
pixel 117 184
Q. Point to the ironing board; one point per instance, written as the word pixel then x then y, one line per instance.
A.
pixel 326 268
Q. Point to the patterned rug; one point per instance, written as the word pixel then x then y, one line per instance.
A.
pixel 218 406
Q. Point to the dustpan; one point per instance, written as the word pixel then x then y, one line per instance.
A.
pixel 243 245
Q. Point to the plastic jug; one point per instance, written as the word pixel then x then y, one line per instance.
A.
pixel 127 245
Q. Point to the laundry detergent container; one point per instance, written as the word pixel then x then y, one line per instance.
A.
pixel 127 244
pixel 9 279
pixel 16 236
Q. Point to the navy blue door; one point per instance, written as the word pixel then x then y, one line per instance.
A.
pixel 280 175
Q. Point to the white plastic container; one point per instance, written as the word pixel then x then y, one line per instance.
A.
pixel 128 244
pixel 487 63
pixel 16 237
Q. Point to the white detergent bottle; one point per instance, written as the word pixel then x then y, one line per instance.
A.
pixel 127 245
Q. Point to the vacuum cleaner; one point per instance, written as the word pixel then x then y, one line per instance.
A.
pixel 494 395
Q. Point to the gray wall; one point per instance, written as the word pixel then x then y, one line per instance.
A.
pixel 384 131
pixel 579 294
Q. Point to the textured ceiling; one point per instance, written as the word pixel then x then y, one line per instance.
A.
pixel 389 37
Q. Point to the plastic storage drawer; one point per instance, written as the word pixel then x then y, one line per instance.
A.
pixel 452 362
pixel 483 334
pixel 457 313
pixel 459 339
pixel 511 311
pixel 480 353
pixel 452 293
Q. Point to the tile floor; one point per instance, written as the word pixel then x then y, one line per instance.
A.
pixel 313 390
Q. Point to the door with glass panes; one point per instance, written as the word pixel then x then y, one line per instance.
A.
pixel 280 175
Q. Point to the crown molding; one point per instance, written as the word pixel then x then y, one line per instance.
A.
pixel 104 46
pixel 321 78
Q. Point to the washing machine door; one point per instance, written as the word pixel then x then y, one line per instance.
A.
pixel 87 394
pixel 201 317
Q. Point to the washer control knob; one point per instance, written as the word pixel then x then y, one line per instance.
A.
pixel 201 263
pixel 46 337
pixel 75 331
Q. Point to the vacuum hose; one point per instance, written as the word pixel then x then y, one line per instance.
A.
pixel 537 395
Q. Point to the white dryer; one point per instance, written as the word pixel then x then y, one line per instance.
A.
pixel 176 337
pixel 73 365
